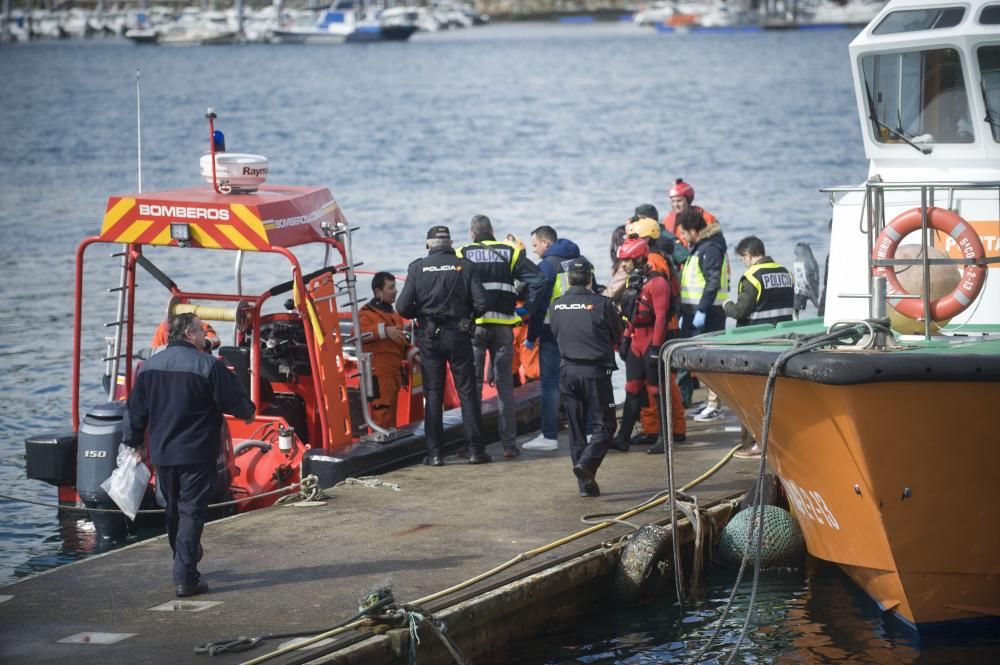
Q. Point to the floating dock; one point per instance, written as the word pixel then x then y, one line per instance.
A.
pixel 306 567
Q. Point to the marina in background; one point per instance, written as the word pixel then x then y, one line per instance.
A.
pixel 295 21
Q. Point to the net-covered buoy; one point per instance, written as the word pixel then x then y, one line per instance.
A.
pixel 782 544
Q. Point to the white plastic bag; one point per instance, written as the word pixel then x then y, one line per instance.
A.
pixel 128 482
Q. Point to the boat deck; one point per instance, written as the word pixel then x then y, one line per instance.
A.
pixel 292 568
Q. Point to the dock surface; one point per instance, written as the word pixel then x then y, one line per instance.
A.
pixel 293 568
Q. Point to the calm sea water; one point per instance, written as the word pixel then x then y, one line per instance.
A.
pixel 571 126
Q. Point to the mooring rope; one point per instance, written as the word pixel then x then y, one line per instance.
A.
pixel 756 530
pixel 370 482
pixel 308 486
pixel 524 556
pixel 665 353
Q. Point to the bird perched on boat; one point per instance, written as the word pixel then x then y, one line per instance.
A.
pixel 806 277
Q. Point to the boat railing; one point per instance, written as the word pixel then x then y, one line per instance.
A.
pixel 873 222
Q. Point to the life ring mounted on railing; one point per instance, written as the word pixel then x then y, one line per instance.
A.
pixel 973 276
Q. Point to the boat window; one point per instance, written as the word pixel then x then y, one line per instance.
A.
pixel 917 97
pixel 990 15
pixel 911 20
pixel 989 68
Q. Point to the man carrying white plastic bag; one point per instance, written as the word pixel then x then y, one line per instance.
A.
pixel 179 398
pixel 128 482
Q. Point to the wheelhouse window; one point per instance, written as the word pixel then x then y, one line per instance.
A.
pixel 911 20
pixel 917 97
pixel 989 69
pixel 990 15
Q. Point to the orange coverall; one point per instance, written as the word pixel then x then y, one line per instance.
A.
pixel 387 358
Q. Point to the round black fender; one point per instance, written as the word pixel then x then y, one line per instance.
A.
pixel 642 569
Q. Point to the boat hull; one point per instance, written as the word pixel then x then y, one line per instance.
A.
pixel 891 481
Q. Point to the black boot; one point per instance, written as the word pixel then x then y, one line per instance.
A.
pixel 630 413
pixel 479 457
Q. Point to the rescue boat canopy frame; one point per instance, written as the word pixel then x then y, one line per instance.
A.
pixel 272 220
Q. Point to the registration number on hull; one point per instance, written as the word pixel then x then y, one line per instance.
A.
pixel 810 504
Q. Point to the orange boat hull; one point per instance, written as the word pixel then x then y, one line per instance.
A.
pixel 893 481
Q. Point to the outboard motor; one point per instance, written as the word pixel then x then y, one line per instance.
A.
pixel 97 450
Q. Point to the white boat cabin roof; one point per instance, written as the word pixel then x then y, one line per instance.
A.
pixel 927 83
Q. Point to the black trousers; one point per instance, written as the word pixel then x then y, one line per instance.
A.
pixel 454 347
pixel 587 392
pixel 186 488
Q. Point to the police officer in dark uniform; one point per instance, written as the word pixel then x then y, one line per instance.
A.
pixel 766 293
pixel 586 327
pixel 444 296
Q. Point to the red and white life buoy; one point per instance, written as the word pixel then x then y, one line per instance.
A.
pixel 973 276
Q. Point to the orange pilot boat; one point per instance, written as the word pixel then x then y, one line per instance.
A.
pixel 881 424
pixel 292 345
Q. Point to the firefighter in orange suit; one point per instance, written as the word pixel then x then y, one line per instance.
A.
pixel 383 336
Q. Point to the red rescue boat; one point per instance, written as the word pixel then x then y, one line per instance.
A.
pixel 292 344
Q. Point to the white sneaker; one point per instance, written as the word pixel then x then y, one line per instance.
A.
pixel 708 414
pixel 541 442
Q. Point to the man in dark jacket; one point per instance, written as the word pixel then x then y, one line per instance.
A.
pixel 587 327
pixel 705 278
pixel 766 293
pixel 555 254
pixel 444 296
pixel 497 264
pixel 704 288
pixel 180 396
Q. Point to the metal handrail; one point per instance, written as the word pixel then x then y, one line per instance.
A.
pixel 915 185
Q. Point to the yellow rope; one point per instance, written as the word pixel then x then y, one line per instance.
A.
pixel 524 556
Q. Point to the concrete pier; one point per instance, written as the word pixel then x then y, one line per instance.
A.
pixel 297 568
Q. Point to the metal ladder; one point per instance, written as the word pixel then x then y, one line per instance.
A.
pixel 349 289
pixel 113 345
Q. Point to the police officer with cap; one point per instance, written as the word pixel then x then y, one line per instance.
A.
pixel 587 327
pixel 444 296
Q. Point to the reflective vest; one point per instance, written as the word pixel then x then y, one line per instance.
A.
pixel 775 293
pixel 495 261
pixel 561 285
pixel 693 282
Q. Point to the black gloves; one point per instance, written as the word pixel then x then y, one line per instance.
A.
pixel 623 347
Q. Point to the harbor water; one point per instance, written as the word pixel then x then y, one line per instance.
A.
pixel 815 615
pixel 566 125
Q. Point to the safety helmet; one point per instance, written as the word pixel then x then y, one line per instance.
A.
pixel 633 248
pixel 681 188
pixel 644 227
